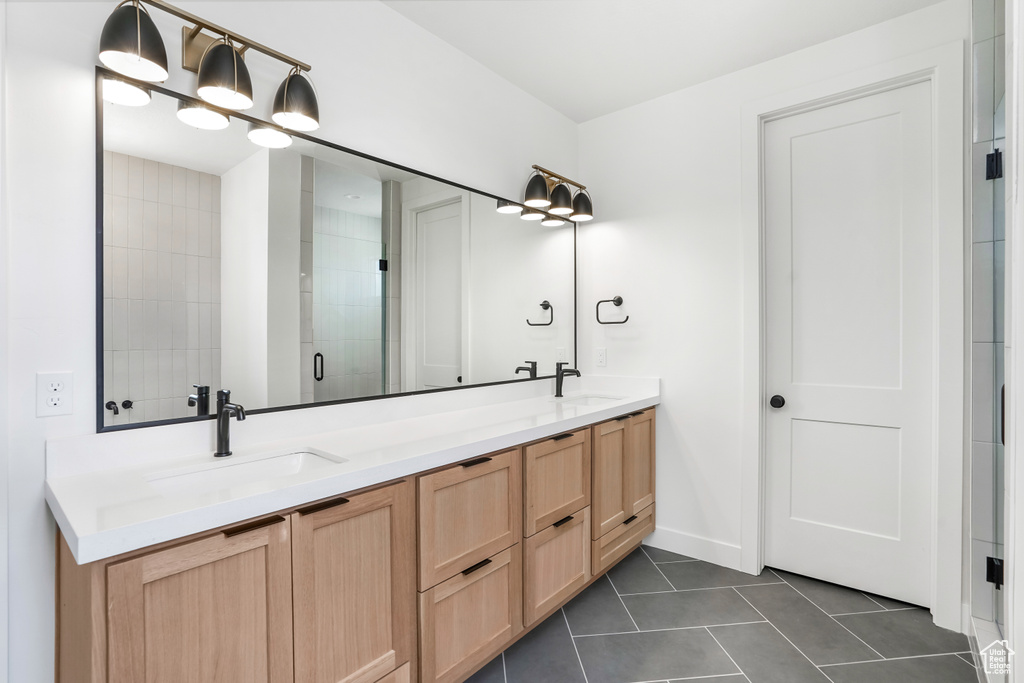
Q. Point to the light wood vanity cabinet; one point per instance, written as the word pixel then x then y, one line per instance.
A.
pixel 353 570
pixel 556 476
pixel 557 565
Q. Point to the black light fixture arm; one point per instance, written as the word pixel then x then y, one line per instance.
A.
pixel 547 307
pixel 617 301
pixel 200 24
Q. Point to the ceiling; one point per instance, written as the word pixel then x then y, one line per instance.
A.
pixel 587 58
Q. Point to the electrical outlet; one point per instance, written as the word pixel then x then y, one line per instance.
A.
pixel 601 357
pixel 54 391
pixel 560 355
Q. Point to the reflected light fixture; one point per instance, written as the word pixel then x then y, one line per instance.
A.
pixel 551 222
pixel 531 215
pixel 224 79
pixel 198 116
pixel 537 192
pixel 265 136
pixel 582 207
pixel 124 93
pixel 295 104
pixel 561 200
pixel 130 44
pixel 505 206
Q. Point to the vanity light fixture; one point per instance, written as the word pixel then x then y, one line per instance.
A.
pixel 130 44
pixel 265 136
pixel 124 93
pixel 552 222
pixel 537 191
pixel 549 189
pixel 505 206
pixel 561 200
pixel 224 78
pixel 295 104
pixel 531 215
pixel 198 116
pixel 582 207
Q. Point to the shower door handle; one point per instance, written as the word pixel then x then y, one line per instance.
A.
pixel 318 368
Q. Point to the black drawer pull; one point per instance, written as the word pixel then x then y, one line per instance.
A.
pixel 478 461
pixel 478 565
pixel 564 520
pixel 630 520
pixel 620 419
pixel 252 526
pixel 562 436
pixel 639 412
pixel 326 505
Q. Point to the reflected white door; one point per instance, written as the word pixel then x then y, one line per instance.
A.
pixel 439 296
pixel 849 252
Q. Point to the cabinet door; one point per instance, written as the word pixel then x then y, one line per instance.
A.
pixel 639 471
pixel 556 564
pixel 608 503
pixel 353 562
pixel 214 609
pixel 468 513
pixel 556 473
pixel 469 618
pixel 622 539
pixel 402 675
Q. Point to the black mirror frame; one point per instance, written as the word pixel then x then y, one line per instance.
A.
pixel 101 73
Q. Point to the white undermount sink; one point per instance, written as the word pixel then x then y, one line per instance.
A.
pixel 227 472
pixel 588 400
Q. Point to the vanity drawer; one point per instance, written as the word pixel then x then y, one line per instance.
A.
pixel 399 675
pixel 556 564
pixel 471 617
pixel 468 512
pixel 556 474
pixel 623 538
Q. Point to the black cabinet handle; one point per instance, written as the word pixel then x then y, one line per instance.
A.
pixel 562 436
pixel 637 413
pixel 318 375
pixel 630 520
pixel 326 505
pixel 620 419
pixel 564 520
pixel 478 461
pixel 252 526
pixel 478 565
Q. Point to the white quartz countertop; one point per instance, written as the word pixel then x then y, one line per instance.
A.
pixel 116 492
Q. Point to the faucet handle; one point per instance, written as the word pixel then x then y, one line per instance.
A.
pixel 559 365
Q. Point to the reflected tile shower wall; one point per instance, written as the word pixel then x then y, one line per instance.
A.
pixel 347 303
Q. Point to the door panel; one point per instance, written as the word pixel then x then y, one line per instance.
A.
pixel 439 296
pixel 849 323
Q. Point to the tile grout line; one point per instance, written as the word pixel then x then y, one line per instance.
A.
pixel 656 567
pixel 575 649
pixel 663 630
pixel 673 562
pixel 710 588
pixel 896 659
pixel 785 636
pixel 873 600
pixel 504 669
pixel 738 667
pixel 797 591
pixel 628 613
pixel 873 611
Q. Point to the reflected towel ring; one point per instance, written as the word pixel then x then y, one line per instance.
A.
pixel 597 311
pixel 547 307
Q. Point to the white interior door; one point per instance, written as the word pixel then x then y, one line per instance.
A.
pixel 849 251
pixel 438 294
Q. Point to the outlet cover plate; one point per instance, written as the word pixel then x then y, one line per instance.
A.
pixel 54 392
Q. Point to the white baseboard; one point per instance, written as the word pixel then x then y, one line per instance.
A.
pixel 715 552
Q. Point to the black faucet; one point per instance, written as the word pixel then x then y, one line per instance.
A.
pixel 560 372
pixel 200 400
pixel 530 367
pixel 225 411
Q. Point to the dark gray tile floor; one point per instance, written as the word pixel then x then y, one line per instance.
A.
pixel 658 617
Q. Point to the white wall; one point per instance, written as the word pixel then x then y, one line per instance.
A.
pixel 244 227
pixel 5 264
pixel 386 87
pixel 665 177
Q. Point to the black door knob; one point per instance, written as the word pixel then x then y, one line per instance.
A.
pixel 777 401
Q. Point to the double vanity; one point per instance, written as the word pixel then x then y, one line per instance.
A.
pixel 414 546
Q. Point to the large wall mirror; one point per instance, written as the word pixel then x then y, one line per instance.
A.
pixel 306 275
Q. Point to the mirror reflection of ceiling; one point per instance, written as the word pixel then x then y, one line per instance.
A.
pixel 613 54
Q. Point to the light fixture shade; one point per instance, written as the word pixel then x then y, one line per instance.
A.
pixel 549 222
pixel 198 116
pixel 531 215
pixel 121 92
pixel 582 208
pixel 561 200
pixel 505 206
pixel 130 44
pixel 537 192
pixel 268 137
pixel 224 79
pixel 295 104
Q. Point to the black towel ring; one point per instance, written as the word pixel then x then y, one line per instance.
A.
pixel 597 311
pixel 547 307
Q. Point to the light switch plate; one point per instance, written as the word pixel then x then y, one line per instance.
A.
pixel 560 355
pixel 54 393
pixel 601 357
